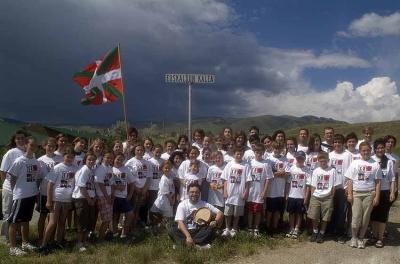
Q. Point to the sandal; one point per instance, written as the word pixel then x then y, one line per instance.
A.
pixel 379 244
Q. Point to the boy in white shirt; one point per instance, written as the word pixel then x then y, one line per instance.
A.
pixel 340 160
pixel 235 175
pixel 296 192
pixel 275 205
pixel 351 142
pixel 24 175
pixel 192 176
pixel 216 190
pixel 323 185
pixel 257 185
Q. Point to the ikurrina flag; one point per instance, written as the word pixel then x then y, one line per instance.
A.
pixel 102 80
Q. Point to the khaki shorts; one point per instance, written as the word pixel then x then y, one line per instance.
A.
pixel 62 206
pixel 233 210
pixel 361 209
pixel 320 208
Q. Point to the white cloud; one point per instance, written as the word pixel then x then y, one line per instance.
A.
pixel 377 100
pixel 374 25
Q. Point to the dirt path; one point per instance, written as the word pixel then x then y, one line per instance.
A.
pixel 333 252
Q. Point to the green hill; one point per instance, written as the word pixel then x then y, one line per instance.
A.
pixel 266 123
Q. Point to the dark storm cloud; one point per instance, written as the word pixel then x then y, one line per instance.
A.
pixel 45 42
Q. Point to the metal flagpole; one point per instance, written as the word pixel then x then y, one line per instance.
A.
pixel 123 95
pixel 190 112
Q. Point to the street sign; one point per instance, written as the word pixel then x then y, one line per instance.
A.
pixel 189 78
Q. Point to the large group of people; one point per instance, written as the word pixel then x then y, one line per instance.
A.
pixel 338 185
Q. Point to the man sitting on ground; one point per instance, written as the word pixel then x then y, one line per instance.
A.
pixel 188 232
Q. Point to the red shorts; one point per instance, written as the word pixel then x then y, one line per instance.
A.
pixel 255 207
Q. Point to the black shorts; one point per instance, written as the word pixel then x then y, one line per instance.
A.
pixel 22 210
pixel 380 213
pixel 276 204
pixel 41 205
pixel 295 206
pixel 121 206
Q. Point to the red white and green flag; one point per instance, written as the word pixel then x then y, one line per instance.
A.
pixel 102 80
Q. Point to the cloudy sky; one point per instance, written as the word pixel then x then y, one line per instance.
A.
pixel 337 59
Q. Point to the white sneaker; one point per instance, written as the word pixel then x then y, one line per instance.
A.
pixel 226 232
pixel 256 233
pixel 251 232
pixel 361 243
pixel 290 233
pixel 353 242
pixel 203 247
pixel 233 233
pixel 28 247
pixel 81 247
pixel 15 251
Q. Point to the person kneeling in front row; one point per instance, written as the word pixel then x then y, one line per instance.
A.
pixel 189 233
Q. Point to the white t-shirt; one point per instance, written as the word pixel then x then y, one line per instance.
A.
pixel 155 173
pixel 28 172
pixel 79 159
pixel 277 184
pixel 122 177
pixel 302 148
pixel 388 175
pixel 395 160
pixel 354 155
pixel 323 180
pixel 127 151
pixel 291 159
pixel 198 146
pixel 148 155
pixel 216 197
pixel 248 155
pixel 84 177
pixel 341 162
pixel 165 156
pixel 267 154
pixel 103 174
pixel 236 174
pixel 8 159
pixel 186 212
pixel 260 172
pixel 227 157
pixel 363 173
pixel 63 177
pixel 141 169
pixel 48 163
pixel 298 179
pixel 312 160
pixel 189 178
pixel 325 149
pixel 185 168
pixel 165 189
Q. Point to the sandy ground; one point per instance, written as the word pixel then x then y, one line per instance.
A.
pixel 333 252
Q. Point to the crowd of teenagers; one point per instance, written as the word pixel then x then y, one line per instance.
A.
pixel 337 184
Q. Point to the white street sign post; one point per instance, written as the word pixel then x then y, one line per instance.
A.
pixel 189 79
